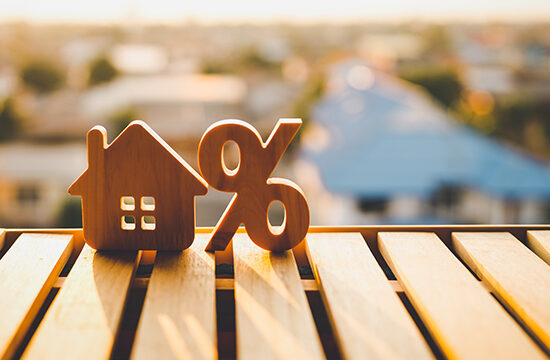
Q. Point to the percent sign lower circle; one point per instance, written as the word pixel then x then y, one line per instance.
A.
pixel 254 190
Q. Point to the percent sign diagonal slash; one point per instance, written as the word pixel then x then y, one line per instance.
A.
pixel 254 189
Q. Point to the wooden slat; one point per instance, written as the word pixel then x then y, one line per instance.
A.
pixel 516 275
pixel 369 320
pixel 228 284
pixel 179 315
pixel 464 319
pixel 83 319
pixel 539 242
pixel 27 273
pixel 273 319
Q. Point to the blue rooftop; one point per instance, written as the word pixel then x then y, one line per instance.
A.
pixel 386 137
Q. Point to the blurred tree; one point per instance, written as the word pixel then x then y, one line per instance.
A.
pixel 542 113
pixel 512 115
pixel 215 67
pixel 248 59
pixel 122 118
pixel 43 76
pixel 101 71
pixel 312 91
pixel 10 120
pixel 251 58
pixel 443 83
pixel 436 41
pixel 70 213
pixel 517 117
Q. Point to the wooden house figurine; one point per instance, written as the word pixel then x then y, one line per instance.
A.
pixel 137 193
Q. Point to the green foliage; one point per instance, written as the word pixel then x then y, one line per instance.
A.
pixel 442 83
pixel 215 67
pixel 312 92
pixel 520 120
pixel 251 58
pixel 121 118
pixel 516 116
pixel 70 213
pixel 42 76
pixel 512 116
pixel 101 71
pixel 10 120
pixel 437 41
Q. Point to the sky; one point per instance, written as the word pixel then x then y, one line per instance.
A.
pixel 273 10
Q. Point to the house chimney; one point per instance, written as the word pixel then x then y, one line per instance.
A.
pixel 97 142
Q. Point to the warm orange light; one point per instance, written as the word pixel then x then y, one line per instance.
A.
pixel 481 102
pixel 295 69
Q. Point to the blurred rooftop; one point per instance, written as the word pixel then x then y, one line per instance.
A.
pixel 388 138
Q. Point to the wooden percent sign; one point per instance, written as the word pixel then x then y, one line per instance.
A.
pixel 250 181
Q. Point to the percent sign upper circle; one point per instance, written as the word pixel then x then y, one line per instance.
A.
pixel 254 189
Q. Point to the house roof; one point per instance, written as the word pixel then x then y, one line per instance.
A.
pixel 386 137
pixel 142 132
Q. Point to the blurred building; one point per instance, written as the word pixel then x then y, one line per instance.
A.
pixel 176 106
pixel 34 179
pixel 139 58
pixel 379 151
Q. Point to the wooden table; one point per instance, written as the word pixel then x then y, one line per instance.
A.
pixel 365 292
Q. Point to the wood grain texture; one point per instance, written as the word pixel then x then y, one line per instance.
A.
pixel 83 320
pixel 461 315
pixel 516 275
pixel 368 319
pixel 369 232
pixel 178 320
pixel 27 273
pixel 273 319
pixel 138 165
pixel 229 284
pixel 255 191
pixel 539 242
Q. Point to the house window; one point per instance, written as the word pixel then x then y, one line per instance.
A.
pixel 28 194
pixel 147 221
pixel 148 203
pixel 128 222
pixel 128 203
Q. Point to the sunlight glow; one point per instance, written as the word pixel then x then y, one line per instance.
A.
pixel 283 10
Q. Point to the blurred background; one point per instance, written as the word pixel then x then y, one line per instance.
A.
pixel 424 112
